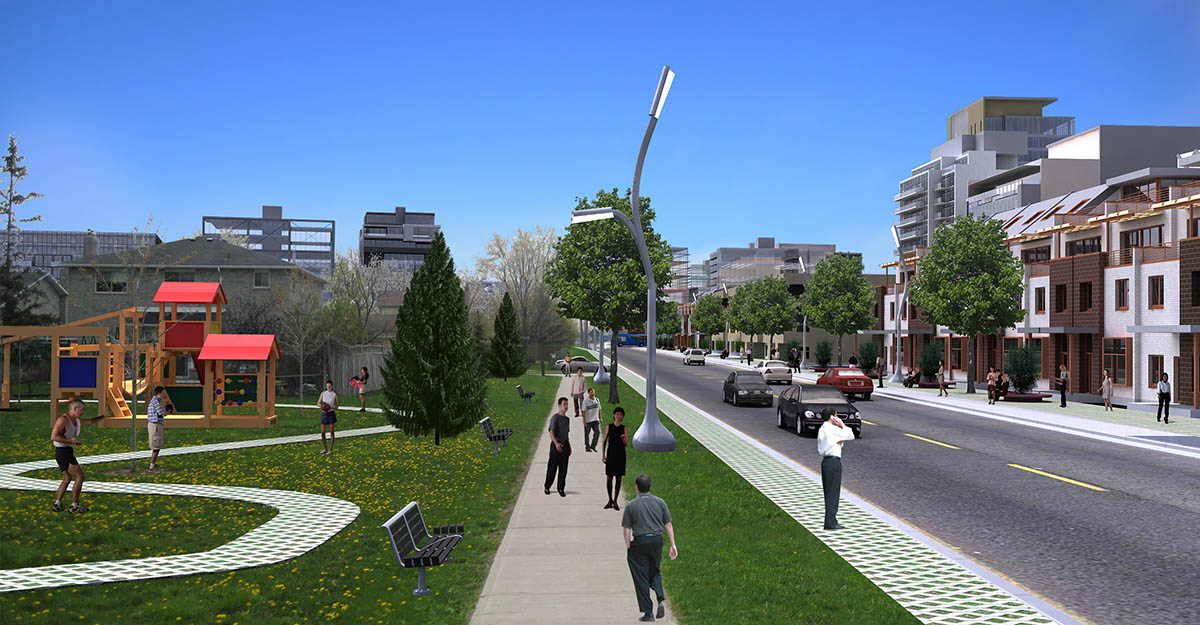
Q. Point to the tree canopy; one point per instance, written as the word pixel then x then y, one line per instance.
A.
pixel 19 301
pixel 970 282
pixel 708 316
pixel 838 298
pixel 431 377
pixel 764 306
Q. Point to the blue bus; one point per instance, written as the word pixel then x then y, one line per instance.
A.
pixel 636 340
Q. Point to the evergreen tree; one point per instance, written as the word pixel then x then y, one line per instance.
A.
pixel 18 300
pixel 507 357
pixel 431 378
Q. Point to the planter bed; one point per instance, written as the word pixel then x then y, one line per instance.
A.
pixel 933 384
pixel 1026 397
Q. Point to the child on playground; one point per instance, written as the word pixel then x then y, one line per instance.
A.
pixel 328 403
pixel 65 436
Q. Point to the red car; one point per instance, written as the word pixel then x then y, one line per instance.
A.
pixel 848 380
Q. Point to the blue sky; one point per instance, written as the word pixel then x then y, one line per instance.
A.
pixel 785 120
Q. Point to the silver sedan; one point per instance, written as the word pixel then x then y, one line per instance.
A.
pixel 774 371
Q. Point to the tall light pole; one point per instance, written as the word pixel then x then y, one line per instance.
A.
pixel 652 435
pixel 725 303
pixel 803 330
pixel 901 298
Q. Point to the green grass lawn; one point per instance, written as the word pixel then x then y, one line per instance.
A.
pixel 353 578
pixel 742 559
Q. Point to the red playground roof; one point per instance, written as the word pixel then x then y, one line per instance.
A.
pixel 190 293
pixel 239 347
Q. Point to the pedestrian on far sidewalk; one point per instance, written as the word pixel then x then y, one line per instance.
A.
pixel 830 437
pixel 796 359
pixel 578 387
pixel 853 362
pixel 643 523
pixel 1063 380
pixel 941 379
pixel 1106 390
pixel 328 403
pixel 591 421
pixel 749 355
pixel 1001 386
pixel 154 425
pixel 560 448
pixel 991 382
pixel 880 365
pixel 1164 398
pixel 774 353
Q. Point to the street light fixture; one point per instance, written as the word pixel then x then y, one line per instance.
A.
pixel 803 330
pixel 652 435
pixel 901 298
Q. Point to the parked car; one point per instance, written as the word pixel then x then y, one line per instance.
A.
pixel 746 387
pixel 694 357
pixel 774 371
pixel 800 409
pixel 849 380
pixel 571 365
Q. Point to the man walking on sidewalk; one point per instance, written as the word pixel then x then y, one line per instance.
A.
pixel 830 437
pixel 880 365
pixel 560 448
pixel 1062 385
pixel 578 386
pixel 643 521
pixel 591 421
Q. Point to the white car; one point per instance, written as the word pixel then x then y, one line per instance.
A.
pixel 694 357
pixel 774 371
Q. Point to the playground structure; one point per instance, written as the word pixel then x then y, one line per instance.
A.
pixel 236 372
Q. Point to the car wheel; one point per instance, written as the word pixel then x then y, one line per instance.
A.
pixel 867 397
pixel 799 425
pixel 857 432
pixel 735 400
pixel 780 413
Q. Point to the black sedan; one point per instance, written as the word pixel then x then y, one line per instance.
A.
pixel 747 387
pixel 800 408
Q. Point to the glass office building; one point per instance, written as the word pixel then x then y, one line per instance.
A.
pixel 44 249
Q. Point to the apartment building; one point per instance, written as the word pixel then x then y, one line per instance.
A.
pixel 306 243
pixel 731 266
pixel 677 291
pixel 45 249
pixel 984 138
pixel 1112 281
pixel 401 236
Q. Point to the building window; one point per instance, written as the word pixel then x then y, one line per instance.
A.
pixel 956 353
pixel 1142 237
pixel 110 282
pixel 1195 229
pixel 1083 246
pixel 891 311
pixel 1060 297
pixel 1039 300
pixel 176 275
pixel 1116 360
pixel 1123 294
pixel 1155 370
pixel 1036 255
pixel 1156 292
pixel 1196 288
pixel 1085 296
pixel 262 279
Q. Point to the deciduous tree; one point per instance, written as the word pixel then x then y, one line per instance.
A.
pixel 838 298
pixel 708 316
pixel 970 282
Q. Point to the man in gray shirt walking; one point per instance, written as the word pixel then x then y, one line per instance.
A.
pixel 643 521
pixel 560 448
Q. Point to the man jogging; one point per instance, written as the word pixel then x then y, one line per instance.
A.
pixel 65 436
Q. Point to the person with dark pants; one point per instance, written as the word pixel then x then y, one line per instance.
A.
pixel 560 448
pixel 591 421
pixel 643 523
pixel 830 437
pixel 1164 399
pixel 1063 381
pixel 612 454
pixel 880 365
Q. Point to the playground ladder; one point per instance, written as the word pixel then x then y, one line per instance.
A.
pixel 116 403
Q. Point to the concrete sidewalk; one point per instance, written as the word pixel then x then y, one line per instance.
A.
pixel 562 559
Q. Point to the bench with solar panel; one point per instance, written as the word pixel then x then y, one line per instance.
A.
pixel 525 397
pixel 420 547
pixel 498 438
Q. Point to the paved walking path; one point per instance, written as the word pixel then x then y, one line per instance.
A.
pixel 1131 427
pixel 304 522
pixel 562 560
pixel 935 584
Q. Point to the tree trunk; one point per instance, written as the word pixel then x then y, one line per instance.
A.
pixel 301 378
pixel 133 398
pixel 613 397
pixel 839 360
pixel 970 365
pixel 437 436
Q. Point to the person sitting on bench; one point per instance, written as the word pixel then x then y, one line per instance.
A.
pixel 913 377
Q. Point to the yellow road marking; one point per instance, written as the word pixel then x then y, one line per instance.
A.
pixel 929 440
pixel 868 422
pixel 1058 477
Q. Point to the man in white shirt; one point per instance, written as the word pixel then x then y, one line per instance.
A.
pixel 591 421
pixel 830 437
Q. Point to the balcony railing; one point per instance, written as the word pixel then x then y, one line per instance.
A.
pixel 909 192
pixel 1038 269
pixel 1155 254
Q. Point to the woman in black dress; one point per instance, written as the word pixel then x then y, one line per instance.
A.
pixel 613 454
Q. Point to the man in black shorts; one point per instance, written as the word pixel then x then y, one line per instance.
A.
pixel 65 436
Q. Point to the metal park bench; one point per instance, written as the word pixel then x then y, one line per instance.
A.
pixel 526 397
pixel 498 438
pixel 415 547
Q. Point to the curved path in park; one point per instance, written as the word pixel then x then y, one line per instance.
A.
pixel 304 522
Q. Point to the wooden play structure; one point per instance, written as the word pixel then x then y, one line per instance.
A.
pixel 236 372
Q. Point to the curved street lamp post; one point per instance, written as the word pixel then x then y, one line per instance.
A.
pixel 652 435
pixel 901 298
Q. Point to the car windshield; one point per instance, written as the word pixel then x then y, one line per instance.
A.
pixel 822 394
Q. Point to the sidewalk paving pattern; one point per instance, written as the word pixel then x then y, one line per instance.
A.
pixel 304 521
pixel 933 587
pixel 562 560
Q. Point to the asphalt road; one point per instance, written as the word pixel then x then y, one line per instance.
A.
pixel 1126 555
